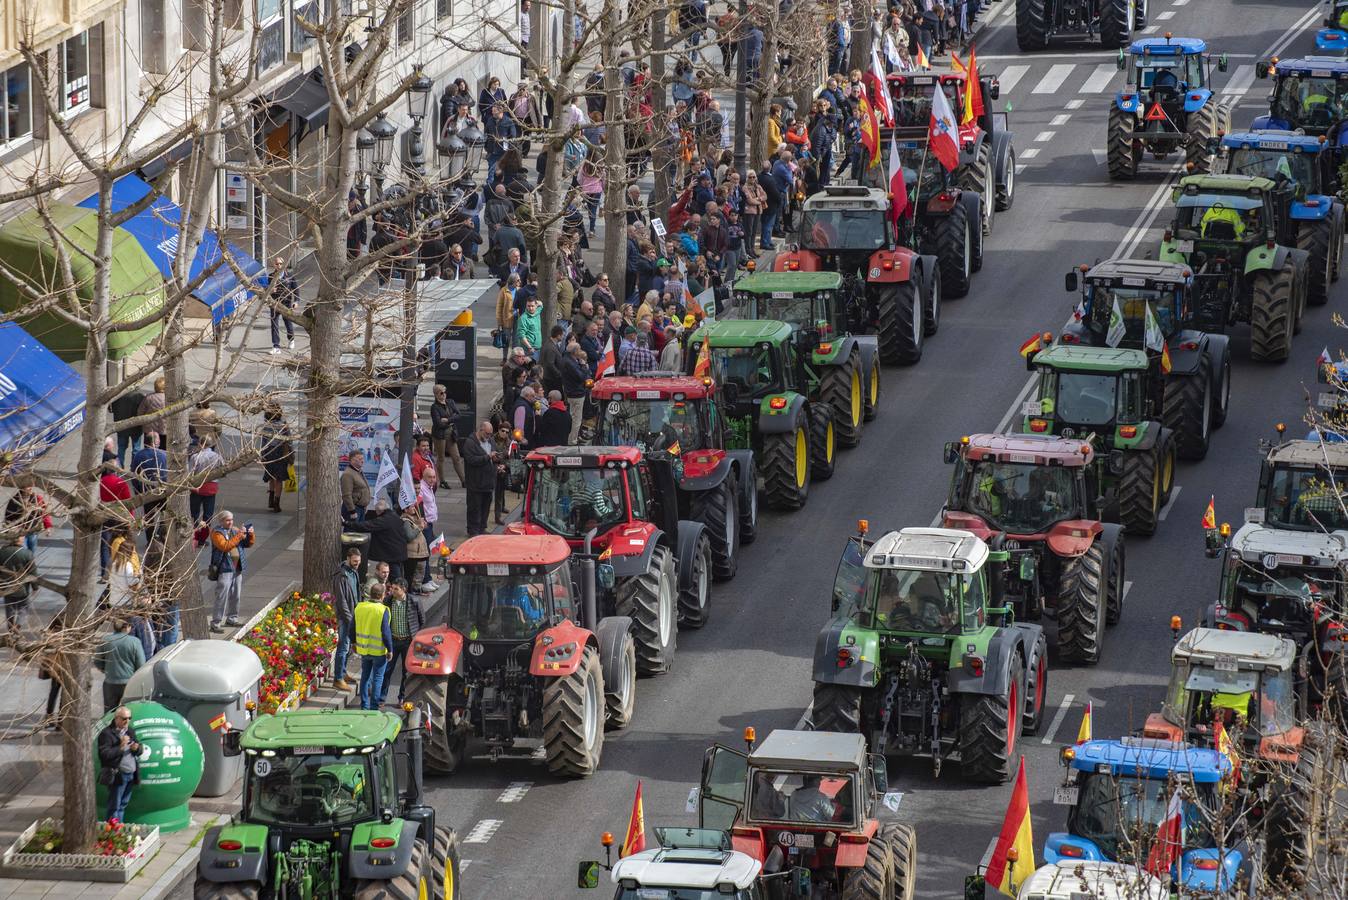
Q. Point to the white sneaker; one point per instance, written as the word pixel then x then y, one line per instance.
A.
pixel 292 343
pixel 275 350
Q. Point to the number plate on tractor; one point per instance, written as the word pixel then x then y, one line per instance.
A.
pixel 1020 458
pixel 1326 400
pixel 1066 795
pixel 1184 246
pixel 1225 663
pixel 805 841
pixel 569 461
pixel 497 569
pixel 1031 408
pixel 302 751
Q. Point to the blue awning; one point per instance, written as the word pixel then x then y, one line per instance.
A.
pixel 41 397
pixel 157 229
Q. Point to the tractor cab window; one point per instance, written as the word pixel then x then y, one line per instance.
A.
pixel 798 310
pixel 1304 499
pixel 1311 101
pixel 300 790
pixel 1132 303
pixel 1219 217
pixel 1130 397
pixel 651 425
pixel 750 369
pixel 1339 17
pixel 559 579
pixel 636 484
pixel 1245 702
pixel 912 101
pixel 1297 168
pixel 1021 499
pixel 1083 398
pixel 805 798
pixel 849 583
pixel 1122 814
pixel 975 598
pixel 910 600
pixel 915 157
pixel 498 607
pixel 842 229
pixel 569 502
pixel 1157 73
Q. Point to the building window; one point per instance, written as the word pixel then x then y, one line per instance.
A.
pixel 75 74
pixel 17 121
pixel 405 29
pixel 271 49
pixel 299 37
pixel 443 9
pixel 152 35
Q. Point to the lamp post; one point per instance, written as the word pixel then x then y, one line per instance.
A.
pixel 476 144
pixel 452 155
pixel 383 131
pixel 414 167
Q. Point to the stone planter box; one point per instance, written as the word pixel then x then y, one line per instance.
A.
pixel 77 866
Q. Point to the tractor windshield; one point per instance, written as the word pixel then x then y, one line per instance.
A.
pixel 912 101
pixel 797 797
pixel 570 502
pixel 1288 594
pixel 309 790
pixel 498 607
pixel 916 158
pixel 911 600
pixel 1132 303
pixel 1200 694
pixel 1305 500
pixel 798 310
pixel 651 425
pixel 1298 168
pixel 1162 73
pixel 1083 398
pixel 842 229
pixel 1020 498
pixel 1310 101
pixel 750 369
pixel 1121 814
pixel 1219 217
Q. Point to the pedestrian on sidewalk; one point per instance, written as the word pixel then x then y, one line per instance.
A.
pixel 346 593
pixel 374 643
pixel 277 455
pixel 201 501
pixel 524 418
pixel 119 762
pixel 118 658
pixel 405 620
pixel 123 571
pixel 149 466
pixel 153 402
pixel 113 491
pixel 500 444
pixel 481 463
pixel 125 407
pixel 417 548
pixel 444 435
pixel 227 560
pixel 49 668
pixel 422 457
pixel 430 515
pixel 203 422
pixel 388 542
pixel 575 374
pixel 17 571
pixel 26 511
pixel 355 488
pixel 554 425
pixel 379 574
pixel 285 291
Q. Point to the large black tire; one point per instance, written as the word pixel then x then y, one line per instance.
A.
pixel 1121 157
pixel 413 884
pixel 235 890
pixel 931 306
pixel 1187 410
pixel 442 749
pixel 823 442
pixel 786 457
pixel 874 386
pixel 1036 687
pixel 719 511
pixel 1317 239
pixel 954 251
pixel 444 872
pixel 1329 676
pixel 1271 314
pixel 1080 607
pixel 1114 595
pixel 874 879
pixel 844 390
pixel 902 842
pixel 1139 492
pixel 651 600
pixel 1202 127
pixel 976 178
pixel 1006 188
pixel 1221 392
pixel 620 699
pixel 1298 815
pixel 837 707
pixel 901 327
pixel 573 719
pixel 1031 25
pixel 1115 29
pixel 990 729
pixel 695 600
pixel 749 509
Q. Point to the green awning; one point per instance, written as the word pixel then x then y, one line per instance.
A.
pixel 26 252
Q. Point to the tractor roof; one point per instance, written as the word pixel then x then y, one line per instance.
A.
pixel 652 386
pixel 1036 449
pixel 1249 650
pixel 789 282
pixel 928 78
pixel 1314 66
pixel 1314 549
pixel 584 457
pixel 1272 139
pixel 693 869
pixel 1167 46
pixel 1126 272
pixel 742 332
pixel 511 550
pixel 828 751
pixel 1226 184
pixel 328 728
pixel 1150 758
pixel 928 549
pixel 1070 879
pixel 843 196
pixel 1310 454
pixel 1091 359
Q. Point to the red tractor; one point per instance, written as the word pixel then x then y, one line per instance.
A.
pixel 679 417
pixel 618 505
pixel 523 655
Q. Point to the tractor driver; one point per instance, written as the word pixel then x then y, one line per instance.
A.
pixel 768 801
pixel 1341 15
pixel 1220 213
pixel 810 804
pixel 1313 95
pixel 918 601
pixel 527 598
pixel 590 503
pixel 989 493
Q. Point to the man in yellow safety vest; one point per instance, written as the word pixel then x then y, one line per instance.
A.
pixel 374 642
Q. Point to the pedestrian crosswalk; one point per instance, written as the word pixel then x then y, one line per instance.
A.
pixel 1042 78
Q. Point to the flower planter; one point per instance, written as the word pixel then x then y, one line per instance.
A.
pixel 77 866
pixel 294 639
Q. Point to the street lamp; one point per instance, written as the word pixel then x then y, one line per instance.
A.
pixel 476 143
pixel 364 157
pixel 383 131
pixel 419 96
pixel 453 154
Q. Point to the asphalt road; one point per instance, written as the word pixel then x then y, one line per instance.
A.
pixel 523 831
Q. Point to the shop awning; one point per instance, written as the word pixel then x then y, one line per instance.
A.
pixel 157 228
pixel 306 98
pixel 41 398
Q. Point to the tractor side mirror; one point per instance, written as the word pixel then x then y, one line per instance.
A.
pixel 951 453
pixel 1261 69
pixel 587 874
pixel 995 89
pixel 1122 61
pixel 879 772
pixel 1070 282
pixel 1029 360
pixel 231 742
pixel 731 390
pixel 1222 63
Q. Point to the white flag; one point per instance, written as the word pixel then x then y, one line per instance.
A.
pixel 891 53
pixel 387 474
pixel 1152 338
pixel 1114 336
pixel 407 489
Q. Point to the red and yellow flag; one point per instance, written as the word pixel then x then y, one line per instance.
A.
pixel 1165 360
pixel 870 130
pixel 1033 345
pixel 635 839
pixel 1210 516
pixel 921 58
pixel 703 365
pixel 1006 876
pixel 976 85
pixel 1084 732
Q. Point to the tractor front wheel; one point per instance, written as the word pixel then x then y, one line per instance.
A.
pixel 1006 188
pixel 1121 157
pixel 1081 606
pixel 1139 492
pixel 695 600
pixel 445 865
pixel 1271 314
pixel 718 510
pixel 749 508
pixel 1297 816
pixel 976 178
pixel 990 728
pixel 843 391
pixel 1317 239
pixel 1036 686
pixel 837 707
pixel 1221 392
pixel 902 842
pixel 443 746
pixel 1117 584
pixel 954 249
pixel 651 601
pixel 931 310
pixel 620 698
pixel 413 884
pixel 1187 410
pixel 823 443
pixel 1201 125
pixel 875 877
pixel 1031 25
pixel 873 385
pixel 573 719
pixel 232 890
pixel 901 323
pixel 786 467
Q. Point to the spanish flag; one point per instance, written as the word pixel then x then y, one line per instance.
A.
pixel 1227 749
pixel 635 840
pixel 921 58
pixel 703 365
pixel 1165 360
pixel 870 130
pixel 1033 345
pixel 1084 732
pixel 1210 516
pixel 1004 874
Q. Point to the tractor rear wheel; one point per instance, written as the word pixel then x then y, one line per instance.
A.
pixel 1036 686
pixel 874 879
pixel 823 442
pixel 718 510
pixel 232 890
pixel 1116 584
pixel 651 601
pixel 443 747
pixel 1221 393
pixel 1116 26
pixel 1298 814
pixel 1006 188
pixel 1271 314
pixel 844 392
pixel 931 309
pixel 902 842
pixel 1121 157
pixel 976 178
pixel 749 508
pixel 1317 239
pixel 990 729
pixel 695 600
pixel 573 719
pixel 1139 492
pixel 413 884
pixel 837 707
pixel 1031 25
pixel 873 386
pixel 954 250
pixel 1329 677
pixel 901 325
pixel 620 697
pixel 1186 410
pixel 1201 124
pixel 445 865
pixel 1081 605
pixel 786 467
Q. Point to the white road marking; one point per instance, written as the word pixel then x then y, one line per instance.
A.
pixel 1043 136
pixel 1100 156
pixel 1050 83
pixel 1020 167
pixel 482 831
pixel 1165 16
pixel 1151 29
pixel 1009 11
pixel 1031 153
pixel 1010 75
pixel 464 863
pixel 1127 586
pixel 1181 2
pixel 297 545
pixel 987 854
pixel 1014 408
pixel 1241 81
pixel 1074 103
pixel 1061 714
pixel 1165 510
pixel 515 792
pixel 1060 119
pixel 1100 79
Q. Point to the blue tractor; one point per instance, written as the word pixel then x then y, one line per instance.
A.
pixel 1332 40
pixel 1305 166
pixel 1117 793
pixel 1165 105
pixel 1113 21
pixel 1309 96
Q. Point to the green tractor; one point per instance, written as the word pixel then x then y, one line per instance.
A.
pixel 773 402
pixel 847 366
pixel 1098 394
pixel 923 658
pixel 1236 233
pixel 332 809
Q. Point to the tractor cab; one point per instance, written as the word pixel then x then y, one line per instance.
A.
pixel 1332 40
pixel 1297 487
pixel 843 223
pixel 688 863
pixel 1088 391
pixel 658 413
pixel 1220 217
pixel 506 589
pixel 1164 69
pixel 750 361
pixel 1021 485
pixel 1292 161
pixel 1135 288
pixel 807 301
pixel 911 94
pixel 1308 95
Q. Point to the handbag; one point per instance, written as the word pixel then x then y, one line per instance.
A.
pixel 212 572
pixel 107 776
pixel 499 339
pixel 292 483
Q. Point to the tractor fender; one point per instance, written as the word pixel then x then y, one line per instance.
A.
pixel 972 201
pixel 1072 538
pixel 839 353
pixel 890 266
pixel 742 461
pixel 1126 101
pixel 780 421
pixel 638 561
pixel 1269 123
pixel 804 260
pixel 969 148
pixel 1148 437
pixel 1110 534
pixel 1203 880
pixel 544 661
pixel 1183 361
pixel 865 644
pixel 706 479
pixel 1313 209
pixel 1001 155
pixel 929 266
pixel 868 346
pixel 1264 257
pixel 996 677
pixel 1195 99
pixel 380 865
pixel 229 866
pixel 448 652
pixel 851 852
pixel 610 636
pixel 689 532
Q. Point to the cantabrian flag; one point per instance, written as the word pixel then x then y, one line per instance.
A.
pixel 1008 876
pixel 1084 732
pixel 635 840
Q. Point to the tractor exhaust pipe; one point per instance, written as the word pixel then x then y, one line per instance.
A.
pixel 589 605
pixel 416 741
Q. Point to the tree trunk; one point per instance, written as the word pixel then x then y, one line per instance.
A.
pixel 615 150
pixel 661 191
pixel 859 57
